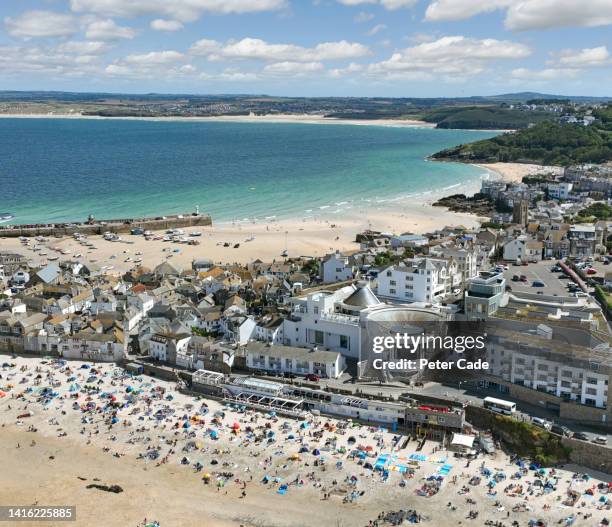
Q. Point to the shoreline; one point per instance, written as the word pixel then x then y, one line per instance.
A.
pixel 313 234
pixel 269 118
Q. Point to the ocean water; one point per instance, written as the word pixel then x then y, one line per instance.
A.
pixel 64 169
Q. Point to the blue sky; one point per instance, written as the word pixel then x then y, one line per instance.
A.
pixel 412 48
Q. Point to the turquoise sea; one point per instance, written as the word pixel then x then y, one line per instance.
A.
pixel 64 169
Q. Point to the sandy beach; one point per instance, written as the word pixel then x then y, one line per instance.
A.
pixel 515 172
pixel 183 461
pixel 313 235
pixel 270 118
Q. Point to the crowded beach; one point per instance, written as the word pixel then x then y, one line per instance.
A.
pixel 136 450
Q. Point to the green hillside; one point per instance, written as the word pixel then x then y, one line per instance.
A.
pixel 548 143
pixel 488 118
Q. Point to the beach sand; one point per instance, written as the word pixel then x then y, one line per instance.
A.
pixel 310 236
pixel 271 118
pixel 52 455
pixel 515 172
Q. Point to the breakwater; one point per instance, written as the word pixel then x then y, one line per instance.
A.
pixel 93 227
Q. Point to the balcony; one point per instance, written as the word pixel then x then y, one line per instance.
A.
pixel 340 318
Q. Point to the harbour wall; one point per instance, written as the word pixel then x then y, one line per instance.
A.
pixel 101 226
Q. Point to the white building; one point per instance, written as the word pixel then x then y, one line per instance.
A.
pixel 419 280
pixel 301 361
pixel 523 248
pixel 560 190
pixel 336 268
pixel 466 258
pixel 92 346
pixel 329 320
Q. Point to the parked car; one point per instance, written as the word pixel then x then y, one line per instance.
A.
pixel 312 377
pixel 516 278
pixel 601 440
pixel 523 278
pixel 538 283
pixel 542 423
pixel 561 430
pixel 581 436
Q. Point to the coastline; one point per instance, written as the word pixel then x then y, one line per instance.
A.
pixel 269 118
pixel 515 172
pixel 314 233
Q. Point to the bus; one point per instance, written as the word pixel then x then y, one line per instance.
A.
pixel 499 405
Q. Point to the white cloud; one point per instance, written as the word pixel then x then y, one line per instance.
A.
pixel 376 29
pixel 230 76
pixel 352 68
pixel 108 30
pixel 540 14
pixel 363 17
pixel 296 69
pixel 545 74
pixel 451 56
pixel 93 47
pixel 444 10
pixel 159 24
pixel 524 15
pixel 256 49
pixel 391 5
pixel 585 57
pixel 154 57
pixel 41 24
pixel 117 69
pixel 181 10
pixel 46 61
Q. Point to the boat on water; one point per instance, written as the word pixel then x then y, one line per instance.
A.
pixel 6 216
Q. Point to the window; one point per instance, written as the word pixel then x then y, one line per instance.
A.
pixel 344 342
pixel 319 337
pixel 389 273
pixel 392 291
pixel 393 282
pixel 591 380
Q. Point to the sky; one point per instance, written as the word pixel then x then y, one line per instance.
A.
pixel 391 48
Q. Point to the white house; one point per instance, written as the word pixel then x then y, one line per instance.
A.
pixel 104 303
pixel 238 328
pixel 92 346
pixel 467 259
pixel 302 361
pixel 560 190
pixel 420 280
pixel 523 248
pixel 336 268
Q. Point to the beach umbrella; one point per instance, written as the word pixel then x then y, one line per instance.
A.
pixel 235 426
pixel 214 434
pixel 316 452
